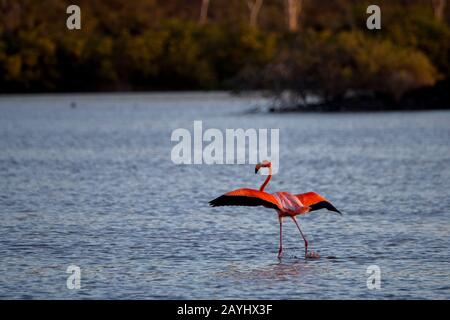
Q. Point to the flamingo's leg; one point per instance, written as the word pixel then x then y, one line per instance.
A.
pixel 280 250
pixel 303 236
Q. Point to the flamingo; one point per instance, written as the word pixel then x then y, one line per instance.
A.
pixel 285 203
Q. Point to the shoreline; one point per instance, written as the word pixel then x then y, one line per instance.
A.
pixel 436 97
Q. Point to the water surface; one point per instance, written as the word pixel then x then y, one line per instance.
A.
pixel 92 184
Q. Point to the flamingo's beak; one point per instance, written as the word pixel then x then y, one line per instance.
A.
pixel 258 166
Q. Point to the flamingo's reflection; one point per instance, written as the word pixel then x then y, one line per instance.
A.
pixel 283 270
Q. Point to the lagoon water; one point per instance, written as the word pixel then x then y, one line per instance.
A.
pixel 87 180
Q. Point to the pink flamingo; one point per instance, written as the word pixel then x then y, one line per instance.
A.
pixel 285 203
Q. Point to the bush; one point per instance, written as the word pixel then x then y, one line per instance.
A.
pixel 332 65
pixel 387 68
pixel 421 31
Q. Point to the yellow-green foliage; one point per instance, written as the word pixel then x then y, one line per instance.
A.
pixel 381 66
pixel 158 44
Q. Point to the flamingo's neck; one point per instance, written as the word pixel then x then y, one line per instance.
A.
pixel 263 186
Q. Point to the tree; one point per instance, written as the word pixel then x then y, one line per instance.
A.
pixel 330 66
pixel 293 9
pixel 438 7
pixel 204 12
pixel 254 7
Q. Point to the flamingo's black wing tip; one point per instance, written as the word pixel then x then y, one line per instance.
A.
pixel 216 202
pixel 333 208
pixel 324 205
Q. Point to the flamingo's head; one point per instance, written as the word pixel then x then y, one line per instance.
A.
pixel 264 164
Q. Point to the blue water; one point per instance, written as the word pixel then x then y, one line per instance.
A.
pixel 94 186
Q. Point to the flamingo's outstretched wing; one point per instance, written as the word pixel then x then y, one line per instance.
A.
pixel 316 202
pixel 246 197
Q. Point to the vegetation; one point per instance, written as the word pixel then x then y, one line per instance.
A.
pixel 333 65
pixel 292 48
